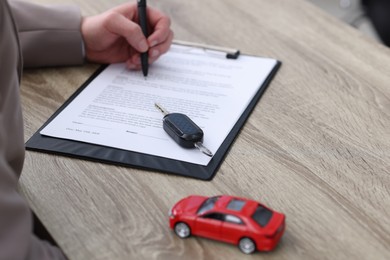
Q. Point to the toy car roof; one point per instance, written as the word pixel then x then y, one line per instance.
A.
pixel 232 204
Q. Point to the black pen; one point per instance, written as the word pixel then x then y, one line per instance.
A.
pixel 143 22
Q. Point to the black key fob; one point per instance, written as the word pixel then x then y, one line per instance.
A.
pixel 182 129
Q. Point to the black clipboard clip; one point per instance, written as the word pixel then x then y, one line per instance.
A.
pixel 230 53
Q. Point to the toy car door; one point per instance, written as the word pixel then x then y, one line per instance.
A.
pixel 208 225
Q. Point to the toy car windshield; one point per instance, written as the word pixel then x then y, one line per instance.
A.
pixel 208 205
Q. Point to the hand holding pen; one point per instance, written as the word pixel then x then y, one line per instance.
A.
pixel 116 36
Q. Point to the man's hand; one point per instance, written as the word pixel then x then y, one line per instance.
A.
pixel 115 36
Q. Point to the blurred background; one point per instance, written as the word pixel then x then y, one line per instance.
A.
pixel 351 12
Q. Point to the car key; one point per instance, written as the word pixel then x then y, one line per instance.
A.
pixel 183 130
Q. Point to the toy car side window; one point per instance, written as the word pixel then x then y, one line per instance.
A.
pixel 214 215
pixel 233 219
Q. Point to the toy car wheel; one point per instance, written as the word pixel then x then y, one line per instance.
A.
pixel 182 230
pixel 246 245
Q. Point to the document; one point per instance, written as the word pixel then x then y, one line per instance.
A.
pixel 117 108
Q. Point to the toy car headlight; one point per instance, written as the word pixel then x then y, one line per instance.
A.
pixel 172 213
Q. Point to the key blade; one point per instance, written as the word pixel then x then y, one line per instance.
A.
pixel 203 149
pixel 161 109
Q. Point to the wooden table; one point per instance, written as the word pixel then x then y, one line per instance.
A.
pixel 316 147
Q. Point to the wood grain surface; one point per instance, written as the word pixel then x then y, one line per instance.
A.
pixel 316 147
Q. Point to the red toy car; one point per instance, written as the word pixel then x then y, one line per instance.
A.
pixel 239 221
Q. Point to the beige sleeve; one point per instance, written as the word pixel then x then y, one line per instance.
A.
pixel 49 35
pixel 16 239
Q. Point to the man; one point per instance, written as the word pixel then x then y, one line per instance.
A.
pixel 53 36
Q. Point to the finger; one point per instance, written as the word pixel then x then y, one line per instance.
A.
pixel 154 52
pixel 123 27
pixel 135 58
pixel 160 25
pixel 161 48
pixel 130 65
pixel 134 61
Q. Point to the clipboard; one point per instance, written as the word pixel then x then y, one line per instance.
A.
pixel 120 157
